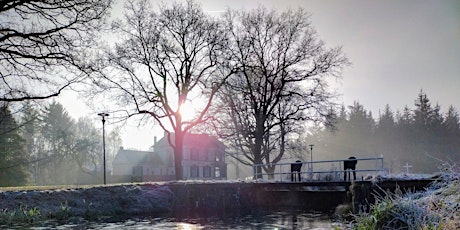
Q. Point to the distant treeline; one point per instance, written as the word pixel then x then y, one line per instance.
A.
pixel 423 137
pixel 47 147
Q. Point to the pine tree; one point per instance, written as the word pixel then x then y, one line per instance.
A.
pixel 426 130
pixel 385 139
pixel 13 158
pixel 451 138
pixel 30 121
pixel 57 135
pixel 360 128
pixel 386 121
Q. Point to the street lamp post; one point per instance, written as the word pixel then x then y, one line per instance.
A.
pixel 311 156
pixel 103 115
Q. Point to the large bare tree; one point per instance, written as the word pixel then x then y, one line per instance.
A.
pixel 44 44
pixel 164 59
pixel 281 84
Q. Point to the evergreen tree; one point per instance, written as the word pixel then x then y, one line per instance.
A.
pixel 385 139
pixel 451 138
pixel 57 132
pixel 423 111
pixel 423 137
pixel 426 128
pixel 61 150
pixel 436 131
pixel 13 158
pixel 360 129
pixel 29 132
pixel 353 135
pixel 405 136
pixel 452 121
pixel 386 122
pixel 331 142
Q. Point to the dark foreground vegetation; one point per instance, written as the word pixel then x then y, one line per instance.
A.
pixel 91 203
pixel 436 208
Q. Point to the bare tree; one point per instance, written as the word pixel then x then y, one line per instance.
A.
pixel 86 147
pixel 44 44
pixel 165 59
pixel 281 84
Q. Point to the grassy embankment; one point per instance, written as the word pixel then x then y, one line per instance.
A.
pixel 438 207
pixel 62 203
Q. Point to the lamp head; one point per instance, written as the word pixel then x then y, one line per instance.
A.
pixel 103 115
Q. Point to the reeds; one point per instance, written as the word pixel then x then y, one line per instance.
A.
pixel 435 208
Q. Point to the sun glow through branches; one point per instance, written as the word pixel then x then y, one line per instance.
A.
pixel 188 111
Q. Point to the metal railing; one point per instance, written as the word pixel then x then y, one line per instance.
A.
pixel 329 170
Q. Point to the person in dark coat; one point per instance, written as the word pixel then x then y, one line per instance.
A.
pixel 296 167
pixel 349 165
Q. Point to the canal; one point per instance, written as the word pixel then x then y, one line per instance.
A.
pixel 260 219
pixel 190 205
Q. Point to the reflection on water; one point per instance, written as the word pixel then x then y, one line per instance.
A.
pixel 260 220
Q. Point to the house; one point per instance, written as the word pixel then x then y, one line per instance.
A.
pixel 203 158
pixel 133 165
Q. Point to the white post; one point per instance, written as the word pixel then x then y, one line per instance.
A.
pixel 407 166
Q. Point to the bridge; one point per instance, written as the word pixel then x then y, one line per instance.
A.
pixel 322 196
pixel 322 188
pixel 329 170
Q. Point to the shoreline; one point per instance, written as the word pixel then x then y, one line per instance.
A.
pixel 64 203
pixel 163 198
pixel 88 202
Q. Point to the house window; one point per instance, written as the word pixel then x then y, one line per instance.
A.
pixel 207 171
pixel 194 173
pixel 194 155
pixel 217 172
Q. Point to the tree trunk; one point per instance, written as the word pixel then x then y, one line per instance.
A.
pixel 178 154
pixel 258 170
pixel 258 142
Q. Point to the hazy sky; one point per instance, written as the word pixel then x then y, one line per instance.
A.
pixel 396 47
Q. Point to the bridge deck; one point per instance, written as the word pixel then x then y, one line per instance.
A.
pixel 307 186
pixel 319 196
pixel 317 186
pixel 315 195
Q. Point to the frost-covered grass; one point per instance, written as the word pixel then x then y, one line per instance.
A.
pixel 438 207
pixel 60 203
pixel 21 215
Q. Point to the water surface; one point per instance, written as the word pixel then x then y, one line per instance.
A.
pixel 292 219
